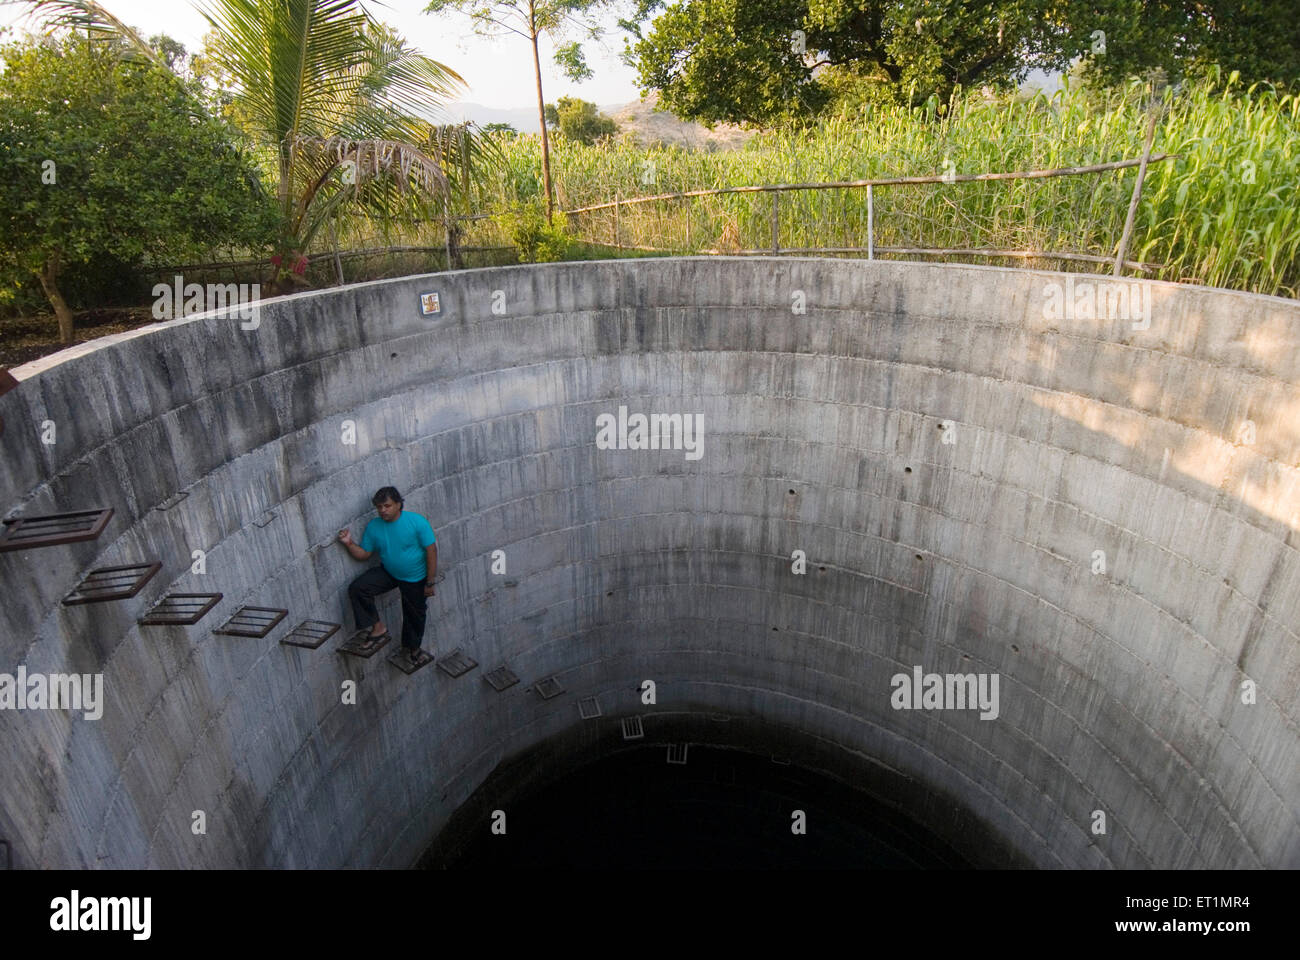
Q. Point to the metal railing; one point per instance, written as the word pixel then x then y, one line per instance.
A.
pixel 450 252
pixel 620 204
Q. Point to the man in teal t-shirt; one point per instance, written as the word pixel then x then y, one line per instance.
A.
pixel 408 561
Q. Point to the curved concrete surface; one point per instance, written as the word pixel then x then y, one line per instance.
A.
pixel 966 546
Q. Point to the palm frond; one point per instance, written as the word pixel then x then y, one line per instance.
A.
pixel 322 67
pixel 375 159
pixel 386 174
pixel 55 15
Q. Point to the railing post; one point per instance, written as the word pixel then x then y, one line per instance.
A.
pixel 446 229
pixel 338 261
pixel 871 226
pixel 618 202
pixel 1137 192
pixel 776 222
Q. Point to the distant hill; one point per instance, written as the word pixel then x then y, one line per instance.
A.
pixel 646 125
pixel 641 121
pixel 523 119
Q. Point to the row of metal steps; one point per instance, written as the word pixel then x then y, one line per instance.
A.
pixel 122 582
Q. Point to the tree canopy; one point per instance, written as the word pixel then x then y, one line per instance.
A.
pixel 1258 39
pixel 334 100
pixel 104 156
pixel 758 62
pixel 579 120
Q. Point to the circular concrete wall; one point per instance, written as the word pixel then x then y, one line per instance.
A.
pixel 1101 514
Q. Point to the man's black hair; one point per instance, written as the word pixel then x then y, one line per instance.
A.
pixel 386 493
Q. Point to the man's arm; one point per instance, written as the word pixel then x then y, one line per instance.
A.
pixel 431 559
pixel 345 537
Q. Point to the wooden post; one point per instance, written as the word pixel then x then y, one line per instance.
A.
pixel 618 201
pixel 446 229
pixel 776 222
pixel 1137 191
pixel 338 261
pixel 871 226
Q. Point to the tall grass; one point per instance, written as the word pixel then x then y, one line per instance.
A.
pixel 1224 213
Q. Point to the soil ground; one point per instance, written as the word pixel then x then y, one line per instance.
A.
pixel 23 339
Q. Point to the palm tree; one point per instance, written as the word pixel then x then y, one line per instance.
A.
pixel 342 107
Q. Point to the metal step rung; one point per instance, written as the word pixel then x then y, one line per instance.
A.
pixel 24 533
pixel 255 622
pixel 589 708
pixel 112 583
pixel 457 663
pixel 548 688
pixel 360 645
pixel 677 752
pixel 401 659
pixel 171 501
pixel 502 678
pixel 181 609
pixel 632 728
pixel 310 634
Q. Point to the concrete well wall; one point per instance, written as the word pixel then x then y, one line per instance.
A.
pixel 955 461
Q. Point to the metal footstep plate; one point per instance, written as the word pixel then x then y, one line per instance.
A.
pixel 311 634
pixel 550 687
pixel 359 645
pixel 112 583
pixel 24 533
pixel 401 659
pixel 255 622
pixel 502 678
pixel 181 609
pixel 457 663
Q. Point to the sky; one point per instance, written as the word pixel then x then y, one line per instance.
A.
pixel 499 72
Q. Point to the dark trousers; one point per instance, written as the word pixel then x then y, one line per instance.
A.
pixel 375 581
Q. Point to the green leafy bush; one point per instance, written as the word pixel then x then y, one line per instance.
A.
pixel 536 240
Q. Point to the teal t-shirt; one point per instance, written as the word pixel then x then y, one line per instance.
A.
pixel 400 544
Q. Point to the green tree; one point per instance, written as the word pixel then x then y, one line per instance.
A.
pixel 757 62
pixel 101 156
pixel 531 19
pixel 579 120
pixel 339 97
pixel 337 101
pixel 1119 39
pixel 171 52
